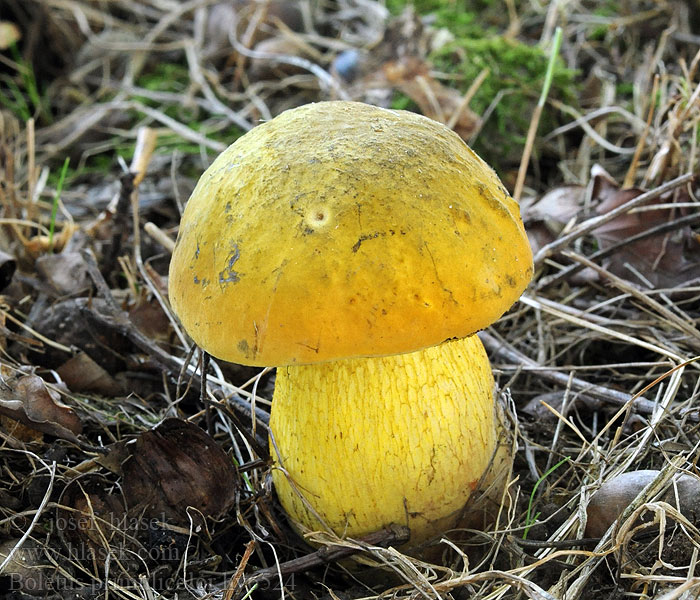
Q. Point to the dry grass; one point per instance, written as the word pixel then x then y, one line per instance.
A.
pixel 596 364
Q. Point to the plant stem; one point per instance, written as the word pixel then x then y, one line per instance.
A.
pixel 535 121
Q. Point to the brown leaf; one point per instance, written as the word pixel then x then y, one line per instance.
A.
pixel 150 319
pixel 667 259
pixel 175 466
pixel 29 401
pixel 30 573
pixel 545 217
pixel 82 374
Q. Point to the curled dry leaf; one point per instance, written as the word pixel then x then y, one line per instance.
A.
pixel 614 496
pixel 175 466
pixel 82 374
pixel 29 401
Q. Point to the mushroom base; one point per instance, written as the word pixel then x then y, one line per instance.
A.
pixel 360 444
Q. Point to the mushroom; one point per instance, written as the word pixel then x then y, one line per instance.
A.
pixel 358 250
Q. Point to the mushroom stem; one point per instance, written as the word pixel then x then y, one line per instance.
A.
pixel 370 442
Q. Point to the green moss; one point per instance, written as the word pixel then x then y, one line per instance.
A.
pixel 165 77
pixel 516 75
pixel 461 17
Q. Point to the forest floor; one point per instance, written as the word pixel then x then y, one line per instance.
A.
pixel 110 111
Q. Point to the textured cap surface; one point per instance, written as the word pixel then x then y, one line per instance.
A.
pixel 340 229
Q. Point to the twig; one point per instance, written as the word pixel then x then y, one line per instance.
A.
pixel 582 321
pixel 629 178
pixel 327 81
pixel 157 234
pixel 119 222
pixel 687 328
pixel 467 98
pixel 385 537
pixel 506 352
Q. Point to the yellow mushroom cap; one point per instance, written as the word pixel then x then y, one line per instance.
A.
pixel 339 229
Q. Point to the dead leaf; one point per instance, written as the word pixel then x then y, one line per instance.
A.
pixel 29 401
pixel 150 319
pixel 82 374
pixel 546 217
pixel 175 466
pixel 65 323
pixel 664 260
pixel 66 272
pixel 28 571
pixel 19 431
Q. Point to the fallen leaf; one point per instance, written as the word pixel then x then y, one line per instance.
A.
pixel 665 260
pixel 82 374
pixel 66 272
pixel 64 322
pixel 29 401
pixel 175 466
pixel 149 318
pixel 546 216
pixel 28 571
